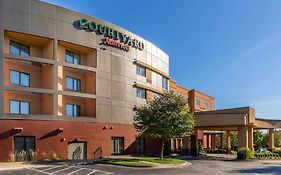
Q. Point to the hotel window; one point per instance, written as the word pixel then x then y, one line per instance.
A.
pixel 117 145
pixel 141 71
pixel 197 102
pixel 206 105
pixel 72 57
pixel 141 93
pixel 73 84
pixel 164 83
pixel 72 110
pixel 19 78
pixel 19 49
pixel 19 107
pixel 24 143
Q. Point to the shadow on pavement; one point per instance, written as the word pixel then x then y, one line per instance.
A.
pixel 274 170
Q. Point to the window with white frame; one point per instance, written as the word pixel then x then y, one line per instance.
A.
pixel 141 93
pixel 141 70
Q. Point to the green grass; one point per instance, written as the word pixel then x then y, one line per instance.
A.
pixel 162 161
pixel 127 162
pixel 142 162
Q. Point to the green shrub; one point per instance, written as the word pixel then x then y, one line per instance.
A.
pixel 245 153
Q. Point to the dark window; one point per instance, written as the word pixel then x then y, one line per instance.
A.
pixel 72 57
pixel 141 93
pixel 72 110
pixel 117 145
pixel 141 70
pixel 22 143
pixel 197 102
pixel 73 84
pixel 164 83
pixel 19 49
pixel 19 107
pixel 19 78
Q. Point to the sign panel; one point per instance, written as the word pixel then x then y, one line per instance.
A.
pixel 112 37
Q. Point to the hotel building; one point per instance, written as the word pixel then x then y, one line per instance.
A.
pixel 69 83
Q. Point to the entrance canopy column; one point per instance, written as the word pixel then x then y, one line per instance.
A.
pixel 251 138
pixel 271 139
pixel 243 137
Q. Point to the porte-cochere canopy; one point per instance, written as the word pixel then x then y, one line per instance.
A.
pixel 241 119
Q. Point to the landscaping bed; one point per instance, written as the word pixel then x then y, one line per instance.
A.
pixel 142 161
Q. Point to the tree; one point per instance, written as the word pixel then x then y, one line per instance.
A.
pixel 259 138
pixel 165 117
pixel 234 138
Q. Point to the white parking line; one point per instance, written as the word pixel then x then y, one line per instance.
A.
pixel 40 171
pixel 62 169
pixel 74 171
pixel 51 168
pixel 44 171
pixel 91 172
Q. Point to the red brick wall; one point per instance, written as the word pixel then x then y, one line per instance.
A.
pixel 49 141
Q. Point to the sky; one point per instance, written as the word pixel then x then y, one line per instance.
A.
pixel 230 50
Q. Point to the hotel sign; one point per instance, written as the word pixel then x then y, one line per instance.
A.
pixel 112 37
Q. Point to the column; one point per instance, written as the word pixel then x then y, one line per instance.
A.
pixel 55 78
pixel 213 141
pixel 243 137
pixel 228 142
pixel 251 138
pixel 271 139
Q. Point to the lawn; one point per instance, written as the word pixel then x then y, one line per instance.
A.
pixel 162 161
pixel 142 161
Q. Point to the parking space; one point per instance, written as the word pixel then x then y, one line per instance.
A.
pixel 67 170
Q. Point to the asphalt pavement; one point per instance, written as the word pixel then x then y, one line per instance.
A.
pixel 198 167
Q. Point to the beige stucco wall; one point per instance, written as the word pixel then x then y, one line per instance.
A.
pixel 115 69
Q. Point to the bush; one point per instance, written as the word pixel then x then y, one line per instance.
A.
pixel 22 156
pixel 268 155
pixel 215 151
pixel 245 153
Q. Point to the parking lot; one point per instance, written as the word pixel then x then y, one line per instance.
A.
pixel 57 170
pixel 198 167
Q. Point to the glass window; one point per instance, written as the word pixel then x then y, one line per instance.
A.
pixel 24 79
pixel 23 143
pixel 206 105
pixel 141 70
pixel 14 107
pixel 164 83
pixel 24 107
pixel 73 84
pixel 19 107
pixel 72 57
pixel 14 77
pixel 141 93
pixel 19 78
pixel 19 49
pixel 72 110
pixel 117 145
pixel 197 102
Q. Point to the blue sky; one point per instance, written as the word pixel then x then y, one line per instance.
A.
pixel 228 49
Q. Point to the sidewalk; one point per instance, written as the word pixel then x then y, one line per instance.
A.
pixel 17 165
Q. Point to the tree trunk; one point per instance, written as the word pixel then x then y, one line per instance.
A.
pixel 162 148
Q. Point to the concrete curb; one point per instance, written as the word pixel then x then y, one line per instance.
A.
pixel 158 166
